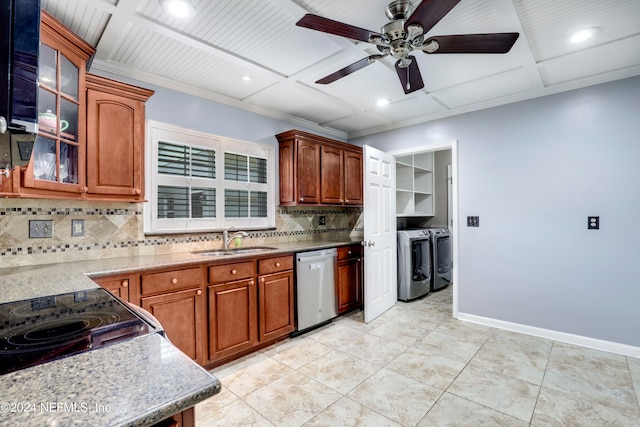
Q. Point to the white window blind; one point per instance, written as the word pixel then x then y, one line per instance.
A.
pixel 198 182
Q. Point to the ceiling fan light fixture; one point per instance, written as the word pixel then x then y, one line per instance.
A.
pixel 182 9
pixel 583 35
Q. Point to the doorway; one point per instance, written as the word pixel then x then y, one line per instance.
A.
pixel 448 206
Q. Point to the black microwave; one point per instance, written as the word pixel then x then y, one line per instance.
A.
pixel 19 44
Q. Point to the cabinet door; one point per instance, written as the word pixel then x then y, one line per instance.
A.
pixel 287 173
pixel 353 178
pixel 180 314
pixel 275 294
pixel 308 172
pixel 119 286
pixel 349 284
pixel 232 318
pixel 114 145
pixel 332 176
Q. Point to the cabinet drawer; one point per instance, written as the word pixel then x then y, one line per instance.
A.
pixel 231 272
pixel 346 252
pixel 169 281
pixel 275 265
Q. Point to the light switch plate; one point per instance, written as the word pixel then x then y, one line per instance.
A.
pixel 40 229
pixel 77 227
pixel 473 221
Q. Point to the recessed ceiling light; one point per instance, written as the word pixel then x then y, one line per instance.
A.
pixel 583 35
pixel 247 78
pixel 179 8
pixel 382 102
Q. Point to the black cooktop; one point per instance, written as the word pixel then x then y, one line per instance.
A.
pixel 43 329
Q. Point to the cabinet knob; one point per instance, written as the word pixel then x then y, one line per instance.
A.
pixel 277 264
pixel 349 252
pixel 174 280
pixel 124 283
pixel 85 189
pixel 262 279
pixel 234 271
pixel 341 201
pixel 302 199
pixel 251 282
pixel 137 191
pixel 199 292
pixel 346 201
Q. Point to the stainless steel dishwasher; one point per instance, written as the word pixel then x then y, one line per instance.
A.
pixel 315 288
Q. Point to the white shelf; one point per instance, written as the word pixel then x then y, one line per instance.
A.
pixel 414 185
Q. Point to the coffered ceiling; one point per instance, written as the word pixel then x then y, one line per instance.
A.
pixel 207 55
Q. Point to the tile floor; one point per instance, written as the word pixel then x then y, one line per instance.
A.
pixel 416 366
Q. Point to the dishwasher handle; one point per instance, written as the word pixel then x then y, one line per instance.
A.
pixel 315 258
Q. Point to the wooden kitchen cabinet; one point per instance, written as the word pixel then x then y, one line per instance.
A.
pixel 90 141
pixel 232 311
pixel 117 285
pixel 115 139
pixel 315 170
pixel 276 297
pixel 349 282
pixel 175 298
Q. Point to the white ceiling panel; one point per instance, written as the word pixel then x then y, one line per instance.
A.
pixel 300 101
pixel 207 54
pixel 549 24
pixel 621 55
pixel 147 51
pixel 84 19
pixel 485 89
pixel 256 30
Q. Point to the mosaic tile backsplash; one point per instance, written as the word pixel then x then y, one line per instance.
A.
pixel 114 230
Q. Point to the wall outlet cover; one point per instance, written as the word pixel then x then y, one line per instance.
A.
pixel 593 223
pixel 322 220
pixel 40 229
pixel 77 227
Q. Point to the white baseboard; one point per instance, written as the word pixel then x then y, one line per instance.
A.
pixel 611 347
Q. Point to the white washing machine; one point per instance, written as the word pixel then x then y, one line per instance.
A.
pixel 441 258
pixel 414 264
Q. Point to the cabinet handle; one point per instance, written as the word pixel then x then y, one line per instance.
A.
pixel 85 189
pixel 341 201
pixel 199 292
pixel 251 282
pixel 233 271
pixel 125 283
pixel 137 191
pixel 174 281
pixel 277 264
pixel 346 201
pixel 349 252
pixel 302 199
pixel 262 279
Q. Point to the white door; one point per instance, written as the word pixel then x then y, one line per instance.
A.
pixel 380 257
pixel 449 198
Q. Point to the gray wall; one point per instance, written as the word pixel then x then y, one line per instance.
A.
pixel 533 171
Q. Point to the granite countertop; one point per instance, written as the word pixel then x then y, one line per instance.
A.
pixel 137 382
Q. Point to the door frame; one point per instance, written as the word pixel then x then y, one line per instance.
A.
pixel 439 146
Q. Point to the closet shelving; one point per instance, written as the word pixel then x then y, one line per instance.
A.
pixel 414 185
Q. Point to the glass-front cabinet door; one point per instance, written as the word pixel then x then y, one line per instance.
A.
pixel 58 159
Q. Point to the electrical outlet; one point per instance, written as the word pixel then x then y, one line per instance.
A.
pixel 40 229
pixel 593 223
pixel 322 220
pixel 77 227
pixel 473 221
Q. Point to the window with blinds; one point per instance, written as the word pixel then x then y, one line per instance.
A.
pixel 203 182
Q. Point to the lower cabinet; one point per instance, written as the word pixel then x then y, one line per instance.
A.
pixel 242 315
pixel 117 285
pixel 185 418
pixel 232 318
pixel 175 298
pixel 350 283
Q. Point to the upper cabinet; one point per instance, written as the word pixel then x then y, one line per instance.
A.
pixel 90 139
pixel 319 171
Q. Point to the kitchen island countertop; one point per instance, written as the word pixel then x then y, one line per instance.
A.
pixel 136 382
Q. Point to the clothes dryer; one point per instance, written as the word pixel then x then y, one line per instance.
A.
pixel 441 258
pixel 414 264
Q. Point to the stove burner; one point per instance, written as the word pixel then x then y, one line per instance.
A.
pixel 43 329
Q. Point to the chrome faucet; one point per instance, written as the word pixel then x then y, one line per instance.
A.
pixel 228 239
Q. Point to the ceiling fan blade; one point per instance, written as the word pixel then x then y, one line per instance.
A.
pixel 348 69
pixel 330 26
pixel 410 76
pixel 429 13
pixel 473 43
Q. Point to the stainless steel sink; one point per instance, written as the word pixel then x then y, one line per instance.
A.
pixel 235 251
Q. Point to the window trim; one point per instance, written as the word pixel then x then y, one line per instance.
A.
pixel 165 132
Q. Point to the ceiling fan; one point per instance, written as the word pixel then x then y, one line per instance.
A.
pixel 404 33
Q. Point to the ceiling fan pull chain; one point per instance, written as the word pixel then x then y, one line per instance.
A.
pixel 408 81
